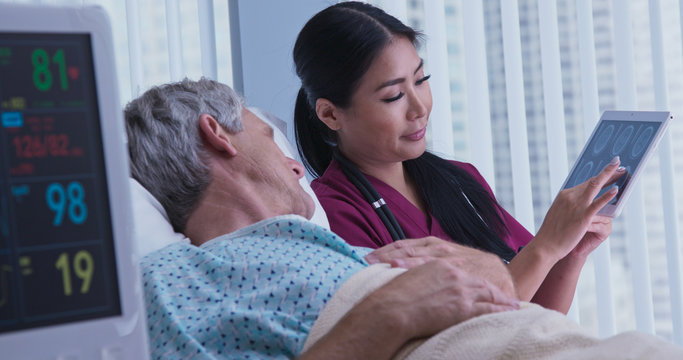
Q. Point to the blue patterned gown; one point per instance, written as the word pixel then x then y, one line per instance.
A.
pixel 253 293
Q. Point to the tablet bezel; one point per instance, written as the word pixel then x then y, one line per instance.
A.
pixel 661 117
pixel 123 336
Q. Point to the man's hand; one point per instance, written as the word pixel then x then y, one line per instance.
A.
pixel 439 294
pixel 410 253
pixel 418 303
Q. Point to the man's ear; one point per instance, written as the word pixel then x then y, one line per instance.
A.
pixel 328 113
pixel 215 135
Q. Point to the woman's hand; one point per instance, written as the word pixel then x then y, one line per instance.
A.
pixel 557 290
pixel 571 221
pixel 598 231
pixel 542 270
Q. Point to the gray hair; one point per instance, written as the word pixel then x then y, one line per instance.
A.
pixel 164 143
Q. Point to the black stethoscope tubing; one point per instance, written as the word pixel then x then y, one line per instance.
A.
pixel 371 195
pixel 377 202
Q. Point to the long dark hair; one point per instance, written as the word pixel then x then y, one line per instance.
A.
pixel 464 209
pixel 332 53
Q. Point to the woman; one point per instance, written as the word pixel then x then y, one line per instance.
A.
pixel 362 113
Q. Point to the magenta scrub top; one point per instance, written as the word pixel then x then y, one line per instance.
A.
pixel 354 219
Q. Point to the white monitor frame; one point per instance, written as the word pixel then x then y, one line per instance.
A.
pixel 115 337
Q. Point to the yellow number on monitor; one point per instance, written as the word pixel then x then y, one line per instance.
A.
pixel 63 265
pixel 83 265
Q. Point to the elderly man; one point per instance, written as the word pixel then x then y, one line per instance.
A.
pixel 258 275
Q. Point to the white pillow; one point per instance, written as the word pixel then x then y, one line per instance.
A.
pixel 151 227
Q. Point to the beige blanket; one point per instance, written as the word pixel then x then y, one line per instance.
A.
pixel 529 333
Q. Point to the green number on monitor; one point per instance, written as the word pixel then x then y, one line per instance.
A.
pixel 61 63
pixel 42 78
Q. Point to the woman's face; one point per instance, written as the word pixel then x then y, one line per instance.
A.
pixel 386 121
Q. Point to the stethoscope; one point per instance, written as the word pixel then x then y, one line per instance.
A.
pixel 370 194
pixel 375 199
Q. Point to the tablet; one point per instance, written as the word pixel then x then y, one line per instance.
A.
pixel 631 135
pixel 69 282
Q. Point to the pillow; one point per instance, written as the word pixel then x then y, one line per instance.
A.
pixel 151 227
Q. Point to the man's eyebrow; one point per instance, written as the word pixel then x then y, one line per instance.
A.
pixel 399 80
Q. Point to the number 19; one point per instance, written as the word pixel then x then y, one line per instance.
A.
pixel 83 265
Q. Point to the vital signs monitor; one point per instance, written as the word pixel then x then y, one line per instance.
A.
pixel 69 284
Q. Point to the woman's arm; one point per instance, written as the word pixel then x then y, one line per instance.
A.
pixel 547 269
pixel 558 288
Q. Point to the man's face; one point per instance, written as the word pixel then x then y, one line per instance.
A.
pixel 273 177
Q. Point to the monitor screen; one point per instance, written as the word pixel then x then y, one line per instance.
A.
pixel 57 261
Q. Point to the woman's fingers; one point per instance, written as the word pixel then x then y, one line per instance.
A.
pixel 570 214
pixel 601 226
pixel 599 220
pixel 618 173
pixel 603 200
pixel 598 182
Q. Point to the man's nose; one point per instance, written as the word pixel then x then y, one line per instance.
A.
pixel 296 167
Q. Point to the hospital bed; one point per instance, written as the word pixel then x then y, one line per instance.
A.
pixel 530 333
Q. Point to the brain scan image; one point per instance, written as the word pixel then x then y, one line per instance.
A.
pixel 603 139
pixel 622 140
pixel 584 172
pixel 626 139
pixel 641 142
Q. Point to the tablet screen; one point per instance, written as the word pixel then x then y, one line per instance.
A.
pixel 627 139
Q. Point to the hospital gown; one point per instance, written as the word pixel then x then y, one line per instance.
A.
pixel 253 293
